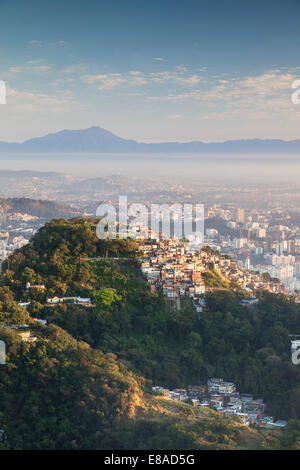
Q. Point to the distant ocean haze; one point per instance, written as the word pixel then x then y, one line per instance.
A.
pixel 220 167
pixel 95 152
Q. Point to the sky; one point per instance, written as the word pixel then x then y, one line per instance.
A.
pixel 159 70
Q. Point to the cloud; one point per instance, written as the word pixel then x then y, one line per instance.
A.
pixel 24 101
pixel 182 68
pixel 35 42
pixel 159 59
pixel 105 81
pixel 262 95
pixel 177 76
pixel 75 69
pixel 35 66
pixel 113 80
pixel 211 97
pixel 110 81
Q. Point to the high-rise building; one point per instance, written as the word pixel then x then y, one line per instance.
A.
pixel 247 263
pixel 239 243
pixel 239 215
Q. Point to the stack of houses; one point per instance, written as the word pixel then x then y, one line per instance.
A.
pixel 167 265
pixel 86 301
pixel 224 398
pixel 170 266
pixel 23 331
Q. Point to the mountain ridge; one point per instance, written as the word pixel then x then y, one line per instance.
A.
pixel 98 140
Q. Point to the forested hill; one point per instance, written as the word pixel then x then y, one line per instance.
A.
pixel 38 208
pixel 85 381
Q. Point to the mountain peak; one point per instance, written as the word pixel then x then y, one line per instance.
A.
pixel 98 140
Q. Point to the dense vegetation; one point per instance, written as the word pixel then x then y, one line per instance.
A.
pixel 60 393
pixel 85 371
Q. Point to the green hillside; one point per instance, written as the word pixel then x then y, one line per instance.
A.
pixel 85 382
pixel 61 394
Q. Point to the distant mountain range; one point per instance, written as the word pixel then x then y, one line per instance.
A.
pixel 96 139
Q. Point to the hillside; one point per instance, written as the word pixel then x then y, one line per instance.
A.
pixel 61 394
pixel 214 279
pixel 38 208
pixel 98 363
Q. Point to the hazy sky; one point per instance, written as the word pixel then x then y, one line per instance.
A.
pixel 151 70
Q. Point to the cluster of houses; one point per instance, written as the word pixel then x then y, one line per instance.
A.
pixel 38 286
pixel 168 264
pixel 9 244
pixel 86 301
pixel 247 279
pixel 23 331
pixel 27 336
pixel 224 397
